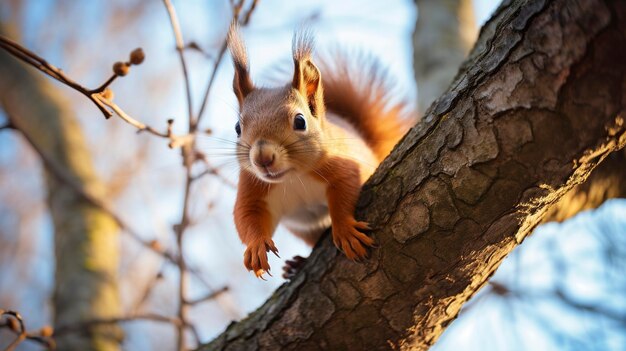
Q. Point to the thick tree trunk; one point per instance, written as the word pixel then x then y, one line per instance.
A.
pixel 443 36
pixel 86 238
pixel 538 104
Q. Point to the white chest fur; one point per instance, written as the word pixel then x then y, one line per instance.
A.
pixel 299 202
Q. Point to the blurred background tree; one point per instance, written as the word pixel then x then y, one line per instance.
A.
pixel 551 275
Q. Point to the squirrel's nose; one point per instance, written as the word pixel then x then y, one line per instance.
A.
pixel 264 160
pixel 263 154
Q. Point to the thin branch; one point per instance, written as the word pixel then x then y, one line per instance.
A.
pixel 236 9
pixel 560 295
pixel 194 46
pixel 180 47
pixel 190 155
pixel 248 15
pixel 207 297
pixel 182 267
pixel 104 85
pixel 175 140
pixel 128 119
pixel 147 291
pixel 39 63
pixel 218 60
pixel 15 323
pixel 97 96
pixel 214 171
pixel 186 153
pixel 65 329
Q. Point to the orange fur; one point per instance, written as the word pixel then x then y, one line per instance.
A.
pixel 335 153
pixel 363 98
pixel 254 223
pixel 345 179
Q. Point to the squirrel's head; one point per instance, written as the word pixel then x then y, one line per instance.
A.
pixel 279 129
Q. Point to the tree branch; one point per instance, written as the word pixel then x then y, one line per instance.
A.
pixel 14 322
pixel 180 47
pixel 98 96
pixel 237 6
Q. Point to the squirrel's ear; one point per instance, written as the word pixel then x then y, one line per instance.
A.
pixel 242 84
pixel 307 78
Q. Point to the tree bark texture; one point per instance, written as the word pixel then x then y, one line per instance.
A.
pixel 444 34
pixel 606 182
pixel 539 103
pixel 85 237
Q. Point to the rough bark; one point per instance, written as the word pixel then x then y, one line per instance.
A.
pixel 85 238
pixel 443 36
pixel 539 103
pixel 606 182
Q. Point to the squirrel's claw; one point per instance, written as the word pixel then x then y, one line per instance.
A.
pixel 259 274
pixel 269 246
pixel 349 240
pixel 293 266
pixel 255 257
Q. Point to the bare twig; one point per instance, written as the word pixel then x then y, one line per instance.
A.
pixel 180 47
pixel 186 153
pixel 246 18
pixel 65 329
pixel 190 155
pixel 207 297
pixel 182 267
pixel 14 322
pixel 148 290
pixel 561 296
pixel 175 140
pixel 194 46
pixel 214 171
pixel 128 119
pixel 32 59
pixel 97 96
pixel 104 85
pixel 236 9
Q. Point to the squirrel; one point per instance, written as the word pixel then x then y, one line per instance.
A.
pixel 305 149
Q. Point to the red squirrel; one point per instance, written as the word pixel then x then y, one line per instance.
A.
pixel 305 149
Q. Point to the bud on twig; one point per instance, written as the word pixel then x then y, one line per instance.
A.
pixel 156 245
pixel 46 331
pixel 13 324
pixel 121 68
pixel 137 56
pixel 108 94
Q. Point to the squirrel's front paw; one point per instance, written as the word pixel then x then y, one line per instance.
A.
pixel 350 240
pixel 255 257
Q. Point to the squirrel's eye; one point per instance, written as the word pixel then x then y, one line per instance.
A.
pixel 299 123
pixel 238 129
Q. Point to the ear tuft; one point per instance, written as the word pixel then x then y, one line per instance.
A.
pixel 302 44
pixel 242 84
pixel 307 78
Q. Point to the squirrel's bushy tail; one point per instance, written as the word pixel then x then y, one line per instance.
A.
pixel 359 90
